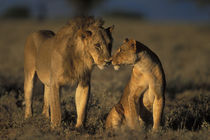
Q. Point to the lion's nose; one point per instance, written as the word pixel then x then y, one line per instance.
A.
pixel 108 62
pixel 110 59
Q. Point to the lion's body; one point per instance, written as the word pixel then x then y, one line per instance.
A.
pixel 33 52
pixel 143 97
pixel 65 58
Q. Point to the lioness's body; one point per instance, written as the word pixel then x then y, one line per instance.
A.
pixel 144 93
pixel 65 58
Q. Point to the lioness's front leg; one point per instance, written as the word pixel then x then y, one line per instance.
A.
pixel 132 116
pixel 82 94
pixel 134 107
pixel 115 117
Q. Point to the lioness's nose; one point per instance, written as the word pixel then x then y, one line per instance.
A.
pixel 113 62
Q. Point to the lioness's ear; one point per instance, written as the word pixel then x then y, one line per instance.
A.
pixel 133 44
pixel 86 34
pixel 110 29
pixel 126 40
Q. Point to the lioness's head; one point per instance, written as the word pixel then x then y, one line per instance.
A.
pixel 126 54
pixel 98 43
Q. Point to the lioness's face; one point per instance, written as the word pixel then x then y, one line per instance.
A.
pixel 100 45
pixel 126 54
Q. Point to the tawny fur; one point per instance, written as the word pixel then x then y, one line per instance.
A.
pixel 65 58
pixel 143 98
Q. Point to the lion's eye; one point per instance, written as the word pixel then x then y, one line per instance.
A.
pixel 98 45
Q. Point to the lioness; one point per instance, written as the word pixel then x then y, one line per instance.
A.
pixel 65 58
pixel 144 92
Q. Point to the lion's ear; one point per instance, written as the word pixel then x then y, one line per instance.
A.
pixel 86 34
pixel 110 29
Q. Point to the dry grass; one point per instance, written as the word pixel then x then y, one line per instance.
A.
pixel 183 49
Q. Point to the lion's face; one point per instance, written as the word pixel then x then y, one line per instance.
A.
pixel 99 45
pixel 126 54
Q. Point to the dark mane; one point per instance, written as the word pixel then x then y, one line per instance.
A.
pixel 75 60
pixel 85 22
pixel 75 65
pixel 77 23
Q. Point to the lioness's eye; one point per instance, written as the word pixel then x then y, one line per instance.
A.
pixel 98 45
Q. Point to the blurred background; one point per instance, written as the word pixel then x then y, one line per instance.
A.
pixel 167 10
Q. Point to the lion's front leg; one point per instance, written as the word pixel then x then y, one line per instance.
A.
pixel 82 94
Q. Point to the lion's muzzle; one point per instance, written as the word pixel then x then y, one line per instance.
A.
pixel 108 62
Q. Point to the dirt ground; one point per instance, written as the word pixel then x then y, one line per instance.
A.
pixel 183 48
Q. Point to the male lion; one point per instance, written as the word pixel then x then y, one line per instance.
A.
pixel 144 92
pixel 65 58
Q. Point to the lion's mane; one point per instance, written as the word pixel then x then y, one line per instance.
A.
pixel 76 62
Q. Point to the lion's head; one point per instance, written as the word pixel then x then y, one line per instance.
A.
pixel 87 34
pixel 126 54
pixel 98 43
pixel 83 42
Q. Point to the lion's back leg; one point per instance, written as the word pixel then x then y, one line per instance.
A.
pixel 46 107
pixel 28 89
pixel 29 72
